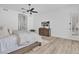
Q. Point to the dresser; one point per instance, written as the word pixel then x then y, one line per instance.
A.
pixel 44 32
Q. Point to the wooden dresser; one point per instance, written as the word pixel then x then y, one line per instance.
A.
pixel 44 32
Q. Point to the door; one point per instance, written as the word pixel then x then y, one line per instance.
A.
pixel 22 22
pixel 75 24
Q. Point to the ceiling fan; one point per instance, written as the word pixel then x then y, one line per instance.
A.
pixel 30 10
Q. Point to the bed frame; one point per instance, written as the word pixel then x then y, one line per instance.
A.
pixel 26 49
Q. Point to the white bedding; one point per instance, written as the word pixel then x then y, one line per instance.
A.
pixel 13 49
pixel 10 44
pixel 28 37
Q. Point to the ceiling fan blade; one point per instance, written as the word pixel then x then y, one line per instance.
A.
pixel 31 13
pixel 28 10
pixel 34 11
pixel 31 9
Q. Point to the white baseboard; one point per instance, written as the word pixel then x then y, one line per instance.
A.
pixel 70 37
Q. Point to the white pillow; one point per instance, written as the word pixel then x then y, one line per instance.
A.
pixel 4 32
pixel 26 38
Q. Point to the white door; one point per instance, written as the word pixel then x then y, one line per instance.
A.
pixel 75 24
pixel 22 22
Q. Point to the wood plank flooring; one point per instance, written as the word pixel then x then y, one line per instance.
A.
pixel 58 46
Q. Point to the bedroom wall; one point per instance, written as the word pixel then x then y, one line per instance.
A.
pixel 59 20
pixel 9 18
pixel 30 22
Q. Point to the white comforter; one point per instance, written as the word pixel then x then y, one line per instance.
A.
pixel 10 44
pixel 28 37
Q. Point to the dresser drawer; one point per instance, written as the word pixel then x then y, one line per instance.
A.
pixel 44 32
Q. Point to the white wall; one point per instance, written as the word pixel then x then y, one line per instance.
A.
pixel 59 20
pixel 30 22
pixel 9 18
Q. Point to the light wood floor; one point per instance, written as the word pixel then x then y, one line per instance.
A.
pixel 58 46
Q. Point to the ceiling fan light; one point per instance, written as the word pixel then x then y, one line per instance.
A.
pixel 31 9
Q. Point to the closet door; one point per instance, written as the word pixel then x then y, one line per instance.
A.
pixel 22 22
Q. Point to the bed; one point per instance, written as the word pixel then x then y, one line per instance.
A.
pixel 19 42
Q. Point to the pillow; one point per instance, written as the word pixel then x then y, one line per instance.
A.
pixel 4 32
pixel 25 38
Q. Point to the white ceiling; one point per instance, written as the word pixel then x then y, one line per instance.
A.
pixel 41 8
